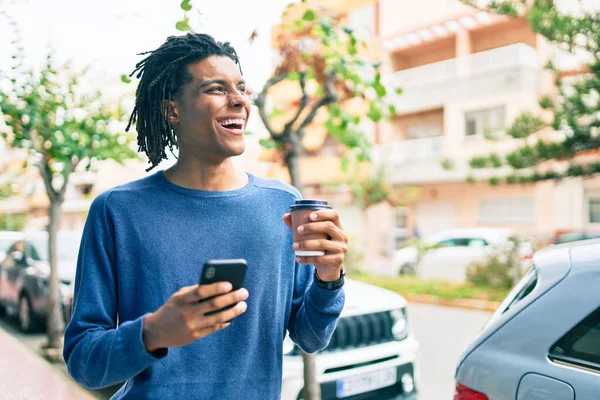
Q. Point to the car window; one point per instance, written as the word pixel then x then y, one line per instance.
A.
pixel 477 242
pixel 33 252
pixel 522 290
pixel 462 242
pixel 581 345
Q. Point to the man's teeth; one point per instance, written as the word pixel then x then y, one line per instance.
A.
pixel 237 121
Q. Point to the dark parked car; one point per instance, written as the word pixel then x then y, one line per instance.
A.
pixel 25 271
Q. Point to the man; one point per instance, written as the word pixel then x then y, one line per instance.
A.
pixel 137 315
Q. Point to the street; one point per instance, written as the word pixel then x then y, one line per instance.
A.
pixel 443 332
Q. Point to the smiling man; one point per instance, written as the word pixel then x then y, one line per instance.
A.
pixel 137 313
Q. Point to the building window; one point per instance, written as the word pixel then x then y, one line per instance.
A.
pixel 485 122
pixel 506 210
pixel 399 232
pixel 594 210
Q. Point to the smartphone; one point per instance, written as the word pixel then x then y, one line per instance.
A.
pixel 233 271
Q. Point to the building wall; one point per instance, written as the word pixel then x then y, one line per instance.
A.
pixel 467 200
pixel 440 50
pixel 504 34
pixel 398 16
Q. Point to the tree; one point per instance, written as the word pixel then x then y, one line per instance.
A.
pixel 368 191
pixel 323 57
pixel 49 114
pixel 574 109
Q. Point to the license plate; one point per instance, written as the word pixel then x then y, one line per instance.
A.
pixel 366 383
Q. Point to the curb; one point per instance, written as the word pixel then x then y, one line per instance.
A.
pixel 469 304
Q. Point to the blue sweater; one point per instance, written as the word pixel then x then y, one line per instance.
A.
pixel 145 240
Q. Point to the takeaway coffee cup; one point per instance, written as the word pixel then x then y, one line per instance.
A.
pixel 300 212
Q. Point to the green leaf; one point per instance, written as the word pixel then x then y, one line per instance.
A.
pixel 348 31
pixel 183 25
pixel 344 163
pixel 125 79
pixel 309 15
pixel 398 91
pixel 546 103
pixel 185 5
pixel 379 89
pixel 268 143
pixel 375 114
pixel 447 164
pixel 293 76
pixel 392 110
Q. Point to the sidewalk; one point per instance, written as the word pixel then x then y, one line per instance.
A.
pixel 23 375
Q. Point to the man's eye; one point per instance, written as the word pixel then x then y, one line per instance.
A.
pixel 216 89
pixel 242 89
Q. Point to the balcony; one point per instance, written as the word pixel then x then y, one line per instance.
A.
pixel 504 69
pixel 396 154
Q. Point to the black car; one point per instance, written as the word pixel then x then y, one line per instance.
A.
pixel 24 275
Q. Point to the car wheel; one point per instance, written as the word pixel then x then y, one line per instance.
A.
pixel 407 269
pixel 27 321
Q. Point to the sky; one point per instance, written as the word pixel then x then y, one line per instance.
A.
pixel 108 34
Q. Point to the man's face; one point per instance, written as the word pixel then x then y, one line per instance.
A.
pixel 210 114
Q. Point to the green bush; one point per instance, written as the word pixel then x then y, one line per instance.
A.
pixel 12 222
pixel 498 270
pixel 494 272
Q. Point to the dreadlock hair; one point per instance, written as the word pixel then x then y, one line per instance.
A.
pixel 163 74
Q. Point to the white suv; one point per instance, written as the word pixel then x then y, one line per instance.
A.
pixel 372 354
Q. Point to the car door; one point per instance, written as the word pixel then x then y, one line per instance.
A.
pixel 445 260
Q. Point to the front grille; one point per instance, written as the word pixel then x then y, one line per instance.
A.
pixel 361 331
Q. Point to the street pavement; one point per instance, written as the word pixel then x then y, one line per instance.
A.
pixel 443 332
pixel 34 341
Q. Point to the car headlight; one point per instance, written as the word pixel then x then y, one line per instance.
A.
pixel 288 346
pixel 399 324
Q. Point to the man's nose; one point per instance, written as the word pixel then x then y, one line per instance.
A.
pixel 238 100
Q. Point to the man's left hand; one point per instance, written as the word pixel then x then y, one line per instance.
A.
pixel 330 265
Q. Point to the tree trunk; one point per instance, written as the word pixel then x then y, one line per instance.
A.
pixel 291 160
pixel 365 218
pixel 55 322
pixel 312 390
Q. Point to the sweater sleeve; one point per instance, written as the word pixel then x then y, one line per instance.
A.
pixel 315 311
pixel 99 353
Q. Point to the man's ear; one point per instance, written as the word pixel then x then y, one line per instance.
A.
pixel 170 110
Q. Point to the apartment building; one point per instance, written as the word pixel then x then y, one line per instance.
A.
pixel 465 74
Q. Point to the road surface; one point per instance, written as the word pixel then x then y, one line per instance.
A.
pixel 443 333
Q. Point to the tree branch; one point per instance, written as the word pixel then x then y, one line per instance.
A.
pixel 69 168
pixel 329 97
pixel 303 103
pixel 47 176
pixel 260 104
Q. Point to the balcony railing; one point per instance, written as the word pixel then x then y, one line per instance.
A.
pixel 411 150
pixel 515 55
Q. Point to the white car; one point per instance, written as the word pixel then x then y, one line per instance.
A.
pixel 372 354
pixel 446 255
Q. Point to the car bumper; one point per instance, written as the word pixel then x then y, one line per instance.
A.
pixel 334 367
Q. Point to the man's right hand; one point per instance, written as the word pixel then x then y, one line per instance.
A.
pixel 182 319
